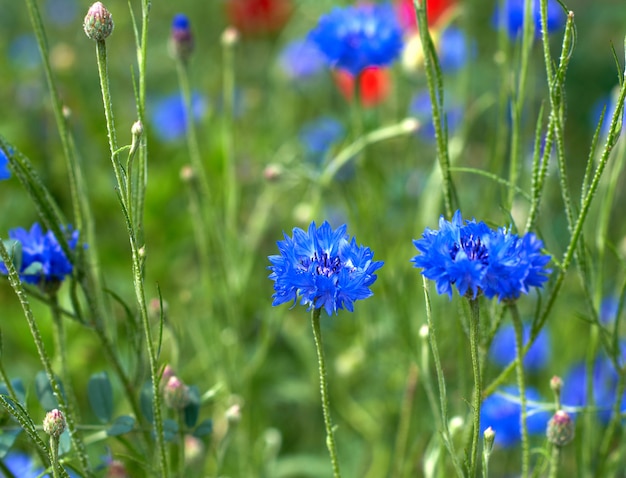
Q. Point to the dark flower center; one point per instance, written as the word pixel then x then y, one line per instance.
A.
pixel 473 248
pixel 325 264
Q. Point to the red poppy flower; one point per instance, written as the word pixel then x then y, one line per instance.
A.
pixel 374 85
pixel 434 8
pixel 258 16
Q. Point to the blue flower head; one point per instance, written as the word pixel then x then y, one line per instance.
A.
pixel 354 38
pixel 5 172
pixel 43 260
pixel 324 268
pixel 502 412
pixel 477 259
pixel 169 119
pixel 510 16
pixel 502 350
pixel 301 59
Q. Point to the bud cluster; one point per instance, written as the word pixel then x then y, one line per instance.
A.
pixel 54 423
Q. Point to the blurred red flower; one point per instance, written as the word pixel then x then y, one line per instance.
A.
pixel 258 16
pixel 374 84
pixel 434 8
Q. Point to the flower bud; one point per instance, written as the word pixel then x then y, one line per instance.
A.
pixel 560 429
pixel 181 39
pixel 489 436
pixel 54 423
pixel 116 469
pixel 137 128
pixel 230 36
pixel 98 23
pixel 176 394
pixel 233 414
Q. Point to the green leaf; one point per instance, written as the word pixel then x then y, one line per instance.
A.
pixel 18 386
pixel 65 444
pixel 121 425
pixel 101 396
pixel 145 401
pixel 170 429
pixel 205 428
pixel 192 410
pixel 44 392
pixel 7 439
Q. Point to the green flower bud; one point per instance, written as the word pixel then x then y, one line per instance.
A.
pixel 54 423
pixel 560 429
pixel 98 23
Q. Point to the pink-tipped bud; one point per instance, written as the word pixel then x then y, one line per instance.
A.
pixel 176 394
pixel 560 429
pixel 116 469
pixel 233 414
pixel 98 23
pixel 54 423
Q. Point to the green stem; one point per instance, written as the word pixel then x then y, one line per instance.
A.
pixel 443 400
pixel 54 456
pixel 434 80
pixel 404 421
pixel 519 351
pixel 474 343
pixel 330 438
pixel 554 461
pixel 181 442
pixel 230 170
pixel 138 254
pixel 16 284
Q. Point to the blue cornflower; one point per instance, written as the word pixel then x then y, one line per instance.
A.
pixel 454 50
pixel 502 412
pixel 168 117
pixel 5 172
pixel 477 259
pixel 511 17
pixel 502 350
pixel 420 108
pixel 324 268
pixel 301 59
pixel 318 136
pixel 354 38
pixel 43 260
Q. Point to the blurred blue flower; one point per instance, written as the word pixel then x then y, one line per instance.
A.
pixel 24 52
pixel 322 267
pixel 502 412
pixel 61 12
pixel 168 116
pixel 606 104
pixel 43 260
pixel 502 350
pixel 20 465
pixel 301 59
pixel 511 17
pixel 318 136
pixel 353 38
pixel 420 108
pixel 454 50
pixel 608 310
pixel 5 172
pixel 604 384
pixel 478 259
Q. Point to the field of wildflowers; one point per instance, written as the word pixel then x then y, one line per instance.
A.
pixel 294 238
